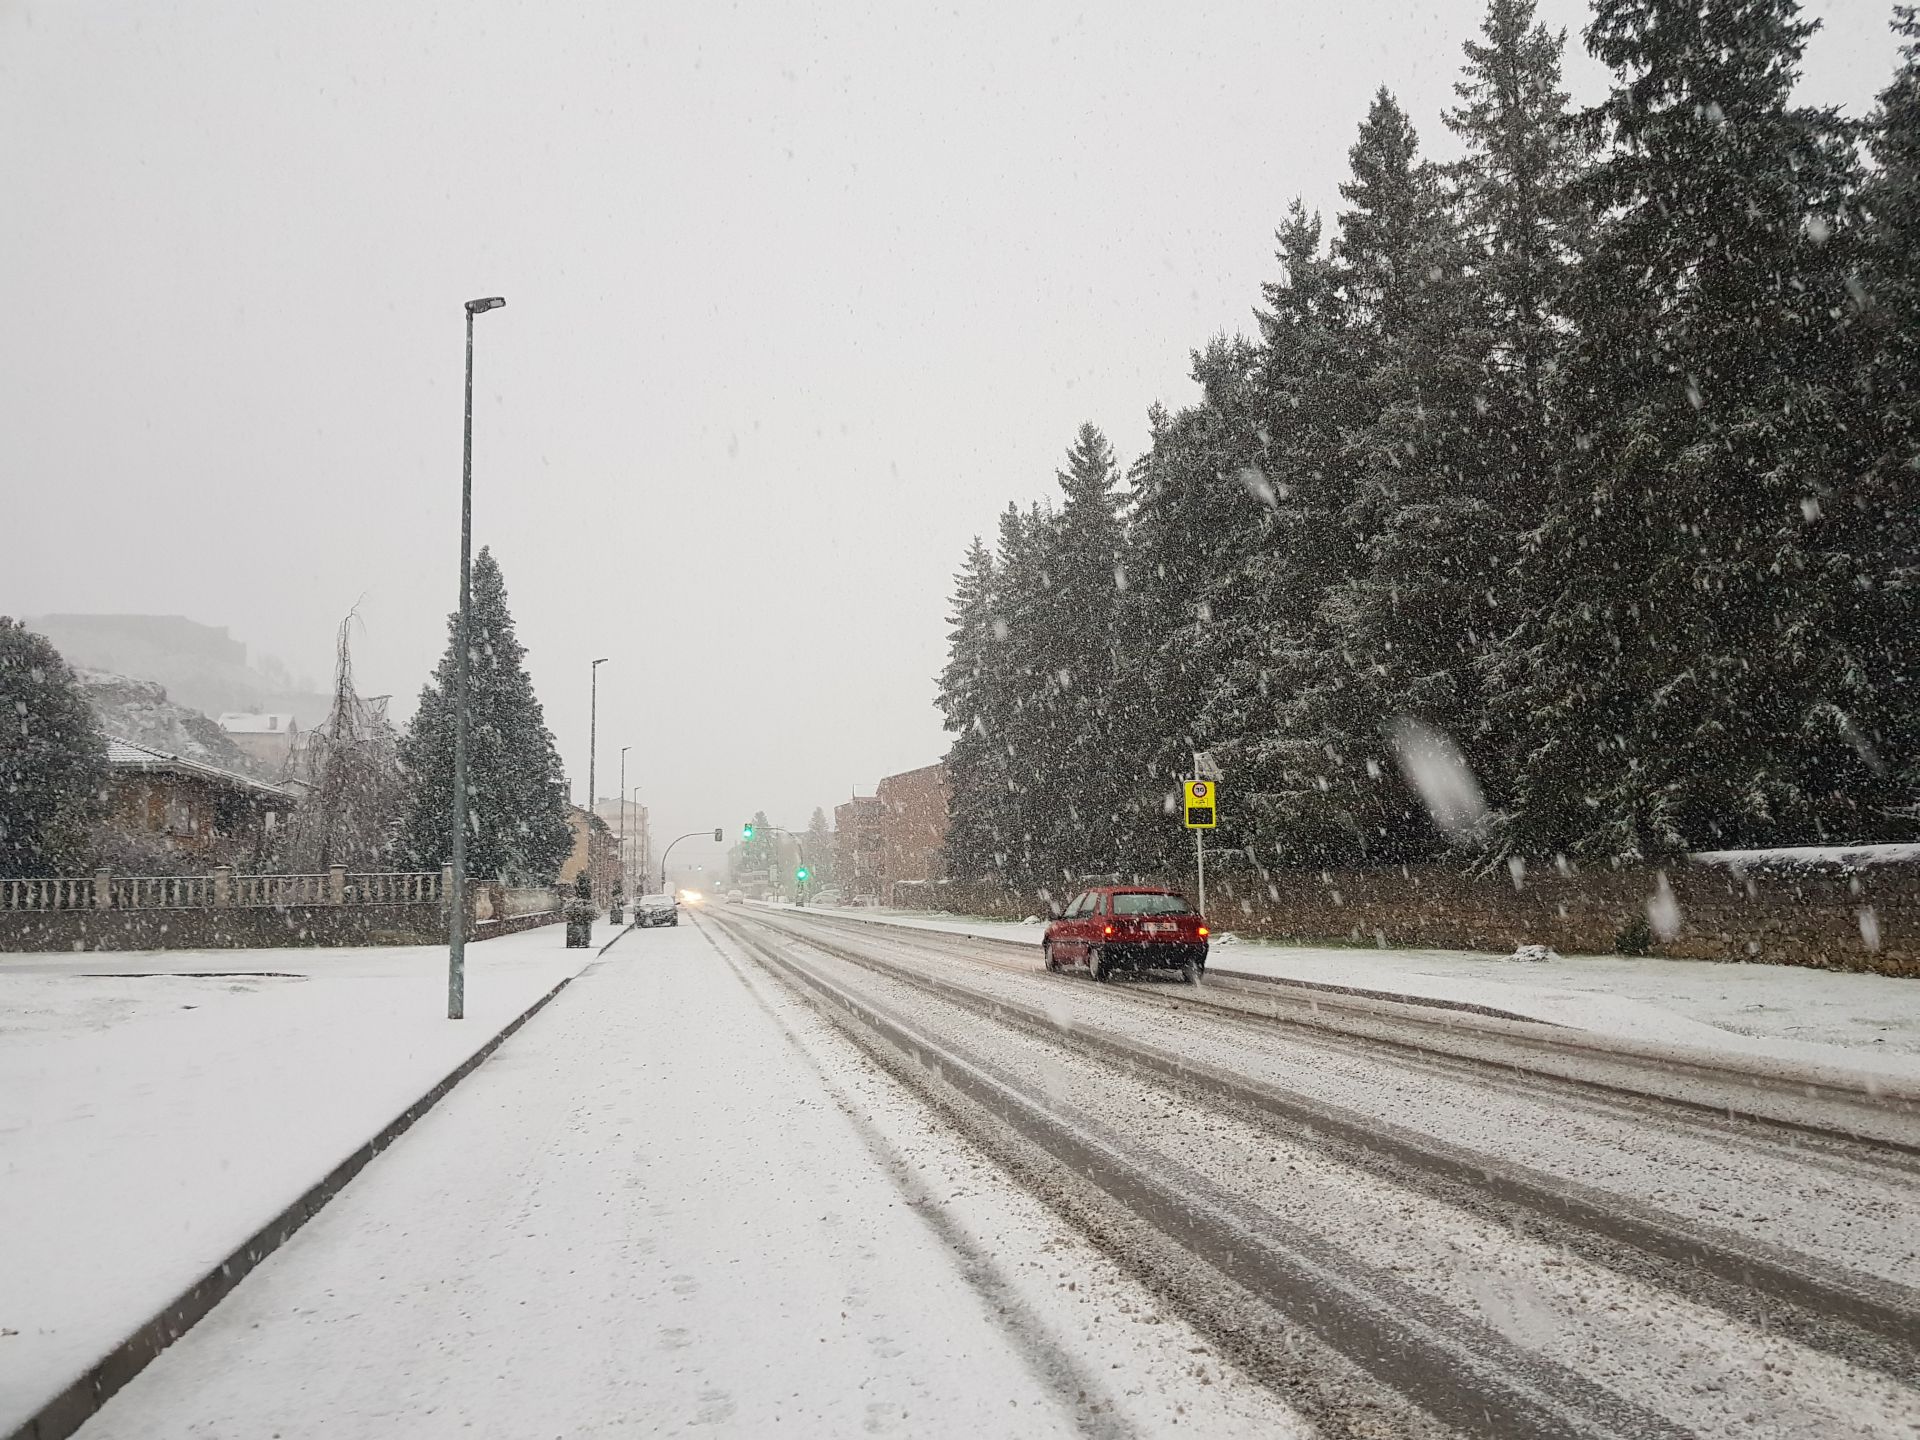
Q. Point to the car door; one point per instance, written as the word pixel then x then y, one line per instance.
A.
pixel 1069 936
pixel 1098 918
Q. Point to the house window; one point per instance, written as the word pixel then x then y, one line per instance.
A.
pixel 179 815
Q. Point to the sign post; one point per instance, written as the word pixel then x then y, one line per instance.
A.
pixel 1202 814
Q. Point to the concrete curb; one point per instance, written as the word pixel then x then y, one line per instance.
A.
pixel 80 1401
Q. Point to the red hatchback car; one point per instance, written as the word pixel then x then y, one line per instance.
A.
pixel 1128 927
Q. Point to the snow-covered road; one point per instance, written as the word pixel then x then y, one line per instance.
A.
pixel 1818 1016
pixel 1589 1262
pixel 679 1202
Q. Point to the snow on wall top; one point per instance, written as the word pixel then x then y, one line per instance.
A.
pixel 247 722
pixel 1812 857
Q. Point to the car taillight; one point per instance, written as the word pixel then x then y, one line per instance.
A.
pixel 1109 929
pixel 1203 932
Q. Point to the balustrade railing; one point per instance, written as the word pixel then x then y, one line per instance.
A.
pixel 46 894
pixel 280 891
pixel 400 887
pixel 106 891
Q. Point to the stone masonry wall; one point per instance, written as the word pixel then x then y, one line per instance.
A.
pixel 1819 916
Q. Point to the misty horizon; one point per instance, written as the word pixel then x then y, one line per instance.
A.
pixel 796 304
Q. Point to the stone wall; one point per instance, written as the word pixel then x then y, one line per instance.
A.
pixel 241 928
pixel 1823 916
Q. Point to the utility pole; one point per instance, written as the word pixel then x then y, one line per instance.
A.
pixel 457 901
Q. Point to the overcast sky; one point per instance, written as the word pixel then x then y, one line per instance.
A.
pixel 799 297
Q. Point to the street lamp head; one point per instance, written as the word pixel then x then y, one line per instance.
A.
pixel 601 661
pixel 492 302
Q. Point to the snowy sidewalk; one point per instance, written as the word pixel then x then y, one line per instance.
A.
pixel 1821 1016
pixel 677 1202
pixel 151 1119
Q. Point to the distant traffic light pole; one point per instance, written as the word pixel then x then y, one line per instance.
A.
pixel 803 872
pixel 717 832
pixel 457 902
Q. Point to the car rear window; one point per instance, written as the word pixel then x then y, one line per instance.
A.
pixel 1150 905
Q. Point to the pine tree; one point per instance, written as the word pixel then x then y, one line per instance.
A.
pixel 516 789
pixel 1178 540
pixel 1392 626
pixel 53 759
pixel 974 778
pixel 1013 703
pixel 1515 189
pixel 1879 517
pixel 1076 659
pixel 1677 685
pixel 817 848
pixel 1523 217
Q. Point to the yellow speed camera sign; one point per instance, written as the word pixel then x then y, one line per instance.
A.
pixel 1202 802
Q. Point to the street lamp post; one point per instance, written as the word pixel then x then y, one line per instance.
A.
pixel 637 870
pixel 593 739
pixel 457 902
pixel 623 817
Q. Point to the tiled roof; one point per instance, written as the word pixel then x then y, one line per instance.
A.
pixel 126 755
pixel 125 752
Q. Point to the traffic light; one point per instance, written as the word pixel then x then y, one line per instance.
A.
pixel 746 831
pixel 718 834
pixel 800 875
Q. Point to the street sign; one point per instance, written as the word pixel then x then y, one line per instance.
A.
pixel 1202 804
pixel 1205 767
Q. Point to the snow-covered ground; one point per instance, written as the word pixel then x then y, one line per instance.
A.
pixel 679 1202
pixel 152 1117
pixel 1855 1021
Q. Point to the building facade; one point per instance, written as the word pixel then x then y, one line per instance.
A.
pixel 857 848
pixel 632 838
pixel 593 846
pixel 161 807
pixel 913 828
pixel 267 740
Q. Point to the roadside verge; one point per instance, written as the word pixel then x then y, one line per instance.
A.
pixel 194 1173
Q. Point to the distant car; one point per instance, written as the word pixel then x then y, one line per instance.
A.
pixel 1128 927
pixel 827 897
pixel 734 897
pixel 650 910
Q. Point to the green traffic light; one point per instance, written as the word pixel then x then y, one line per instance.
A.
pixel 746 832
pixel 801 874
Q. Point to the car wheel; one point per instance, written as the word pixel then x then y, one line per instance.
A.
pixel 1097 963
pixel 1046 954
pixel 1190 972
